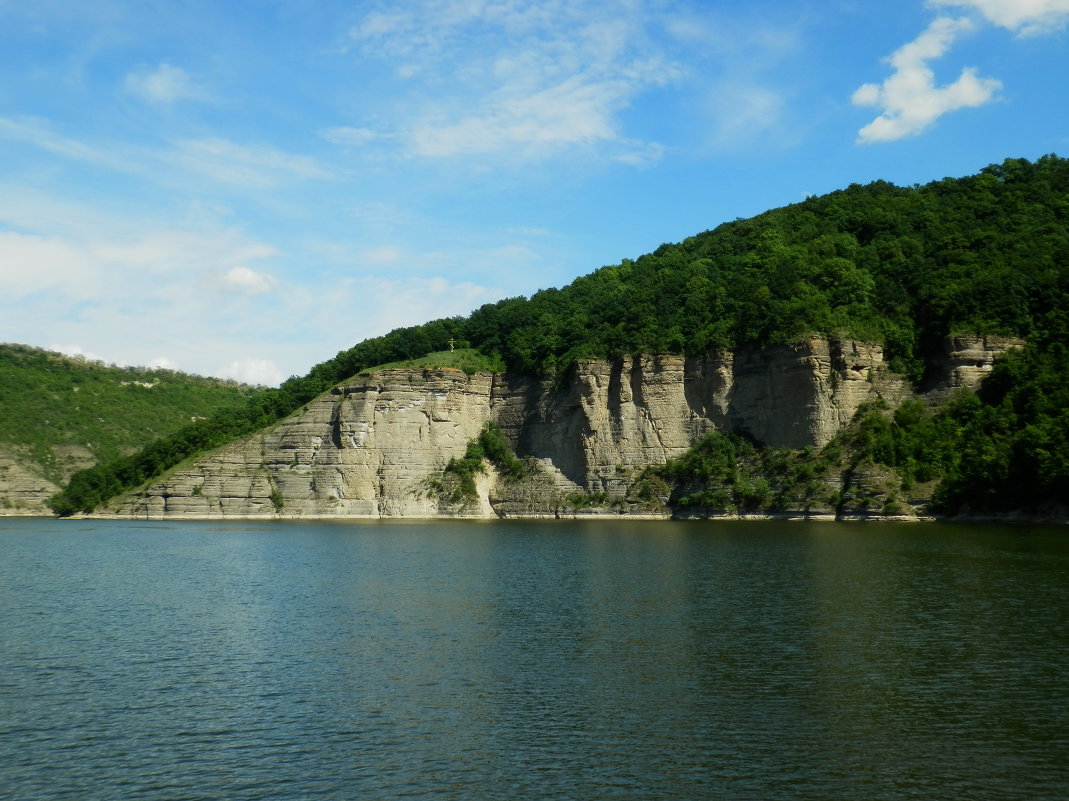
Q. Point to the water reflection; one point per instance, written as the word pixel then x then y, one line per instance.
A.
pixel 533 660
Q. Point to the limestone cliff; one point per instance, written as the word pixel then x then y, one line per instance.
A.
pixel 369 447
pixel 965 360
pixel 22 490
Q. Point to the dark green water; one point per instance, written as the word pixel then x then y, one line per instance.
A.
pixel 528 660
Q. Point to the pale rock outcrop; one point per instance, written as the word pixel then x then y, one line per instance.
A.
pixel 364 450
pixel 22 491
pixel 613 416
pixel 965 361
pixel 371 446
pixel 798 395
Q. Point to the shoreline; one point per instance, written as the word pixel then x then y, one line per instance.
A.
pixel 665 517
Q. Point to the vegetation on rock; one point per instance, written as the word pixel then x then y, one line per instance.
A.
pixel 457 482
pixel 1003 450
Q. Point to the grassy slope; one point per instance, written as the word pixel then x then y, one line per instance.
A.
pixel 59 413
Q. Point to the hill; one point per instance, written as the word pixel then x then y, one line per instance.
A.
pixel 903 267
pixel 63 414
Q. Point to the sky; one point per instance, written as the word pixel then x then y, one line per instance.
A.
pixel 245 188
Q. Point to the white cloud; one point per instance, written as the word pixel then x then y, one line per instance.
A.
pixel 1026 17
pixel 247 282
pixel 515 79
pixel 909 100
pixel 37 263
pixel 260 372
pixel 132 288
pixel 645 154
pixel 577 111
pixel 164 85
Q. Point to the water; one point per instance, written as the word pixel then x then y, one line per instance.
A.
pixel 532 660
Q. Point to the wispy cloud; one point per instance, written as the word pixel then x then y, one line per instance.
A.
pixel 349 137
pixel 580 110
pixel 252 166
pixel 1026 17
pixel 255 166
pixel 40 133
pixel 746 77
pixel 164 85
pixel 527 79
pixel 909 100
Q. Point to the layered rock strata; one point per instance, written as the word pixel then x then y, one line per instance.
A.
pixel 370 447
pixel 965 360
pixel 23 491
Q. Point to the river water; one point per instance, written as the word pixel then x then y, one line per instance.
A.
pixel 533 660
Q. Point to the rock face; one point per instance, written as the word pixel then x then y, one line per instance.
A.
pixel 369 447
pixel 22 491
pixel 965 361
pixel 364 450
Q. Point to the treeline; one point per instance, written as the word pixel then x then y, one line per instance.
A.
pixel 903 265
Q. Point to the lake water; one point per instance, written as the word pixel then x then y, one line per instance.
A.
pixel 533 660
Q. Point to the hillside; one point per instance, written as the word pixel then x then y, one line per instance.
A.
pixel 62 414
pixel 901 268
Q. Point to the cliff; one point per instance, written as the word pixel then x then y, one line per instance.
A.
pixel 371 446
pixel 23 491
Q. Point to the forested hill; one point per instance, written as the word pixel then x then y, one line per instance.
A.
pixel 906 266
pixel 58 413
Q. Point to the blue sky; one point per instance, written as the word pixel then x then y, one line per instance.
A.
pixel 244 188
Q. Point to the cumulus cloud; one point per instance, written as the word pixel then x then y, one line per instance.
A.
pixel 164 85
pixel 1026 17
pixel 909 100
